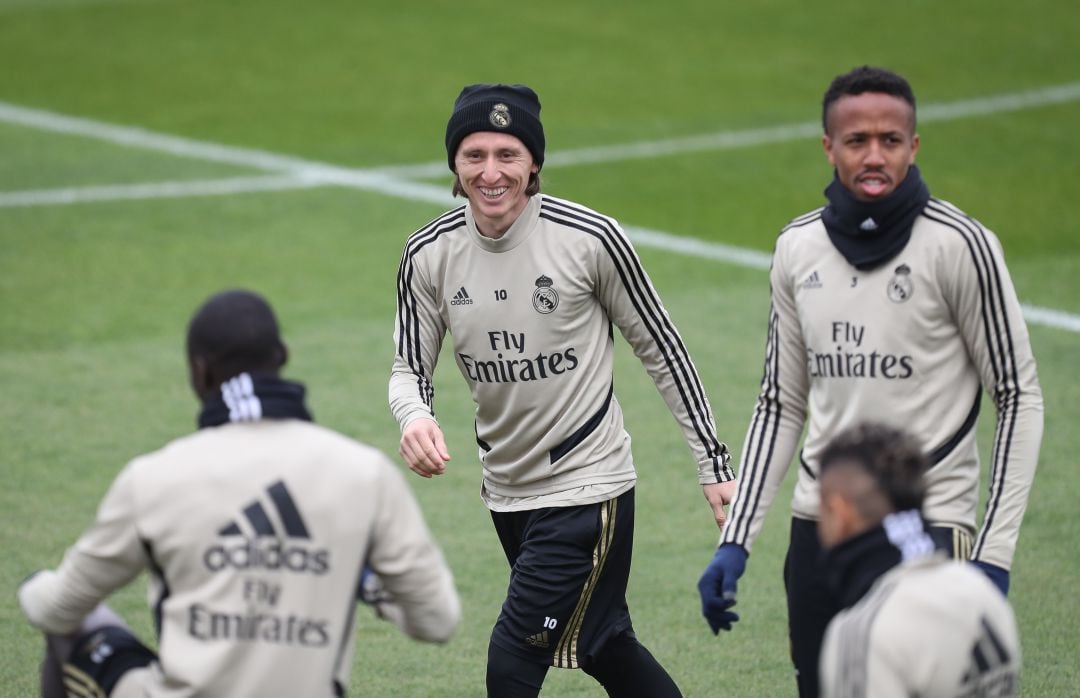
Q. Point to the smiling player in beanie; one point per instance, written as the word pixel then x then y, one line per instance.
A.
pixel 530 288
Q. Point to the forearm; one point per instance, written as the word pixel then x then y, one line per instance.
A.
pixel 767 452
pixel 56 601
pixel 430 612
pixel 411 395
pixel 1015 455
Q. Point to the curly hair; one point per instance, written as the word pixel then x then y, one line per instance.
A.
pixel 889 456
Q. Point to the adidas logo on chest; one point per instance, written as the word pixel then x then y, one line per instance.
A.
pixel 461 297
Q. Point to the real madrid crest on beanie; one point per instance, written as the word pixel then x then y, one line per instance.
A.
pixel 513 109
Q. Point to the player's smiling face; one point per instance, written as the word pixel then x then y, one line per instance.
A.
pixel 494 170
pixel 871 141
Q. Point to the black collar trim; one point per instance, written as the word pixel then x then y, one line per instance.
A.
pixel 249 398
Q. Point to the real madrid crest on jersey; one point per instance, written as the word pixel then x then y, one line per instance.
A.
pixel 500 116
pixel 900 286
pixel 545 298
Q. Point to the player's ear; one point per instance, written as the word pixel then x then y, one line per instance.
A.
pixel 826 144
pixel 200 376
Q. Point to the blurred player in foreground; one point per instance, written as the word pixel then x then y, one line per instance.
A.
pixel 255 530
pixel 917 623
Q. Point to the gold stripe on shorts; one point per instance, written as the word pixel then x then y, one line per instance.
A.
pixel 566 651
pixel 961 544
pixel 79 684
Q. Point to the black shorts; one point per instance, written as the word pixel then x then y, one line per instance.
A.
pixel 568 576
pixel 100 659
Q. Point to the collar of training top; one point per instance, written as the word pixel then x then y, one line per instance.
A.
pixel 249 398
pixel 870 233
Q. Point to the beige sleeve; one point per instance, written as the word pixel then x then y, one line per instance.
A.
pixel 422 599
pixel 106 557
pixel 418 334
pixel 630 300
pixel 779 414
pixel 991 321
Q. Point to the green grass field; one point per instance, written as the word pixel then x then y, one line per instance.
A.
pixel 94 296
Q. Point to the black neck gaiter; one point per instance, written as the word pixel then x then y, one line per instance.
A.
pixel 853 566
pixel 249 398
pixel 870 233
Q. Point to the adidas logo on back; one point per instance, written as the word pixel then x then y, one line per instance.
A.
pixel 461 297
pixel 250 552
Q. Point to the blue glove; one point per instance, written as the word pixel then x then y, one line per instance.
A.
pixel 998 575
pixel 717 586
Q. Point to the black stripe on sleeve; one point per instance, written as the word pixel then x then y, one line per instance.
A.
pixel 998 334
pixel 408 330
pixel 802 220
pixel 646 302
pixel 761 443
pixel 1002 652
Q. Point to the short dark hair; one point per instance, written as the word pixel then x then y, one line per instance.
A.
pixel 235 331
pixel 867 79
pixel 891 457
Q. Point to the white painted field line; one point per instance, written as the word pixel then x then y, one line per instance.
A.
pixel 755 259
pixel 695 247
pixel 153 190
pixel 377 178
pixel 728 140
pixel 306 173
pixel 1050 317
pixel 135 137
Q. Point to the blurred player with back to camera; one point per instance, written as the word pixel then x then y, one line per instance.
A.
pixel 917 623
pixel 255 531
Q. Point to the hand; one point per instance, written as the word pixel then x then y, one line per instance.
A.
pixel 998 575
pixel 424 448
pixel 717 586
pixel 370 590
pixel 717 495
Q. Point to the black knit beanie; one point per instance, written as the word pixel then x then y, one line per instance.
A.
pixel 513 109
